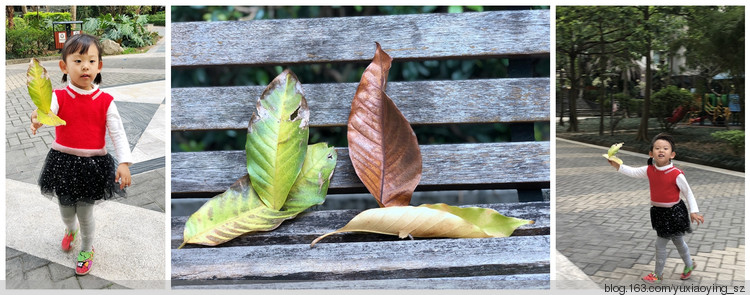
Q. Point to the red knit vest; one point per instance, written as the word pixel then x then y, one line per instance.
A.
pixel 85 117
pixel 663 184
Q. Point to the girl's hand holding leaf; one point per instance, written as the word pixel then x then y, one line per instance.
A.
pixel 35 123
pixel 40 90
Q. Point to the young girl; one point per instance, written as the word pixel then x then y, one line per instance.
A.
pixel 78 170
pixel 669 216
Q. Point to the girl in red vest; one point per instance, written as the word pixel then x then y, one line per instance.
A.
pixel 669 215
pixel 78 170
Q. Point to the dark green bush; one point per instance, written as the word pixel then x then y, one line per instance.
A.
pixel 158 19
pixel 664 103
pixel 736 139
pixel 21 42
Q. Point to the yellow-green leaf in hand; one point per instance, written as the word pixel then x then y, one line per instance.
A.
pixel 40 90
pixel 239 210
pixel 277 139
pixel 610 155
pixel 432 221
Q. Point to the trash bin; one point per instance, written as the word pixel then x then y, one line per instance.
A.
pixel 62 36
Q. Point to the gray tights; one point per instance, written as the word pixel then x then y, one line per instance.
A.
pixel 85 214
pixel 661 252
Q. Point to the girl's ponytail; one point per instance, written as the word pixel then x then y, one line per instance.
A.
pixel 650 161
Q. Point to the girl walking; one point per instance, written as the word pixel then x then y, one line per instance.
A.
pixel 669 215
pixel 78 170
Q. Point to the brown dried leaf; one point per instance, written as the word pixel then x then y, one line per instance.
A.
pixel 382 146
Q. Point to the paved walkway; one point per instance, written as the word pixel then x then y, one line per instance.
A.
pixel 603 224
pixel 130 251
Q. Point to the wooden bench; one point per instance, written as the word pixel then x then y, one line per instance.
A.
pixel 282 258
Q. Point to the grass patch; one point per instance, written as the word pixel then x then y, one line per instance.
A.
pixel 692 143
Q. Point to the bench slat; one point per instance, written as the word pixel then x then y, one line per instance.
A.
pixel 513 282
pixel 351 39
pixel 445 166
pixel 427 102
pixel 366 260
pixel 307 226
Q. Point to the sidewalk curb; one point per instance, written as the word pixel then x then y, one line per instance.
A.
pixel 677 162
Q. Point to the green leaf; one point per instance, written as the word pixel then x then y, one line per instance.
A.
pixel 432 221
pixel 277 139
pixel 239 210
pixel 610 155
pixel 40 90
pixel 614 149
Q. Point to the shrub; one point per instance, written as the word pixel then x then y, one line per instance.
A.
pixel 23 42
pixel 736 139
pixel 127 31
pixel 158 19
pixel 44 19
pixel 664 103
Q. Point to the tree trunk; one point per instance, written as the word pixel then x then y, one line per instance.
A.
pixel 603 80
pixel 625 91
pixel 73 12
pixel 9 16
pixel 573 95
pixel 643 128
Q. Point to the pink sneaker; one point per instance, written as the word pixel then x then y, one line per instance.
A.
pixel 85 262
pixel 68 241
pixel 652 278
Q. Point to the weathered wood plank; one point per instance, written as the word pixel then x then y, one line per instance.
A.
pixel 308 226
pixel 351 39
pixel 426 102
pixel 446 166
pixel 514 282
pixel 366 260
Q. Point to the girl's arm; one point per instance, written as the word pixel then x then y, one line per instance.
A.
pixel 640 172
pixel 118 135
pixel 122 147
pixel 688 193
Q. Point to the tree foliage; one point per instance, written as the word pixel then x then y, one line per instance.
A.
pixel 635 48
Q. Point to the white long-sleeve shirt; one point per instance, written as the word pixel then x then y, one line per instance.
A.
pixel 685 191
pixel 114 125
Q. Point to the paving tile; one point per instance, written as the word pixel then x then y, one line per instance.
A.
pixel 60 272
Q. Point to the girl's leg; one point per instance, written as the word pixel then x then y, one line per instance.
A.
pixel 68 214
pixel 86 219
pixel 683 249
pixel 661 255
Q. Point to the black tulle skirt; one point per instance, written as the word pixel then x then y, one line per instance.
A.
pixel 73 179
pixel 671 222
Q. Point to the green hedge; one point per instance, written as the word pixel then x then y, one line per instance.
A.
pixel 736 139
pixel 158 19
pixel 44 19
